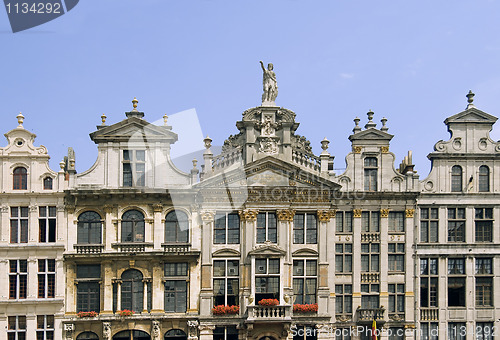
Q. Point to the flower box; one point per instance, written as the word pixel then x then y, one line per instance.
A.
pixel 90 314
pixel 269 302
pixel 306 308
pixel 222 310
pixel 125 312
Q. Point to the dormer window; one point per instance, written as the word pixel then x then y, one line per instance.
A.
pixel 371 173
pixel 456 178
pixel 47 183
pixel 20 179
pixel 484 178
pixel 134 167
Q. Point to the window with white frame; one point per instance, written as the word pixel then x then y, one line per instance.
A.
pixel 456 224
pixel 484 282
pixel 396 221
pixel 305 228
pixel 343 220
pixel 46 278
pixel 370 295
pixel 227 228
pixel 19 224
pixel 47 224
pixel 429 281
pixel 343 299
pixel 16 327
pixel 267 227
pixel 396 257
pixel 343 258
pixel 396 299
pixel 370 257
pixel 47 183
pixel 88 288
pixel 371 173
pixel 370 221
pixel 45 327
pixel 456 178
pixel 134 168
pixel 267 279
pixel 429 222
pixel 226 282
pixel 18 279
pixel 484 224
pixel 176 287
pixel 484 178
pixel 305 281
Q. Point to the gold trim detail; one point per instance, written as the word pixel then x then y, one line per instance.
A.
pixel 410 212
pixel 357 149
pixel 384 212
pixel 248 215
pixel 356 212
pixel 286 215
pixel 384 149
pixel 326 215
pixel 207 216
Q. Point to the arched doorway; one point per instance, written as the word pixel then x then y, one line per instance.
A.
pixel 175 334
pixel 132 291
pixel 132 335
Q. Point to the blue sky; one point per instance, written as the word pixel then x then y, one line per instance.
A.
pixel 410 61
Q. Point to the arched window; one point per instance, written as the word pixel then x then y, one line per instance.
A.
pixel 132 289
pixel 47 183
pixel 176 227
pixel 484 178
pixel 89 228
pixel 456 178
pixel 133 226
pixel 175 334
pixel 371 173
pixel 20 177
pixel 87 336
pixel 132 335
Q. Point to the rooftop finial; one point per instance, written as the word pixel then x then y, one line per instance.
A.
pixel 370 123
pixel 384 128
pixel 470 99
pixel 357 128
pixel 134 103
pixel 324 144
pixel 20 119
pixel 165 117
pixel 208 142
pixel 195 162
pixel 103 118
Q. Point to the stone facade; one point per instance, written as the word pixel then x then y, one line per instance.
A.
pixel 267 241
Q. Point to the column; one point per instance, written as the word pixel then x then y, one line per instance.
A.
pixel 118 294
pixel 5 233
pixel 158 228
pixel 409 268
pixel 108 228
pixel 384 260
pixel 157 289
pixel 206 332
pixel 356 260
pixel 248 225
pixel 33 224
pixel 285 219
pixel 146 282
pixel 32 278
pixel 206 263
pixel 324 217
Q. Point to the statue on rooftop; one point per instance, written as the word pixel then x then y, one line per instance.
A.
pixel 270 84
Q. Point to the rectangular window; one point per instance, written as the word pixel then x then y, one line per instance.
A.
pixel 370 257
pixel 485 330
pixel 370 221
pixel 456 282
pixel 18 224
pixel 343 221
pixel 88 288
pixel 456 224
pixel 396 221
pixel 225 333
pixel 226 282
pixel 396 257
pixel 16 328
pixel 429 282
pixel 429 331
pixel 18 279
pixel 46 224
pixel 484 282
pixel 343 257
pixel 267 228
pixel 227 228
pixel 371 171
pixel 429 222
pixel 484 224
pixel 134 168
pixel 396 299
pixel 267 279
pixel 305 281
pixel 176 287
pixel 343 299
pixel 370 297
pixel 46 278
pixel 45 327
pixel 457 331
pixel 305 229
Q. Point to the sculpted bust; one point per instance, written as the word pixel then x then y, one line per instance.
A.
pixel 270 85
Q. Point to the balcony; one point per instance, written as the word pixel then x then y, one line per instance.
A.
pixel 370 277
pixel 370 237
pixel 429 314
pixel 88 248
pixel 132 247
pixel 176 248
pixel 370 314
pixel 269 313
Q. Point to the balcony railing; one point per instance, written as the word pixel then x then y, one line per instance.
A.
pixel 176 248
pixel 370 277
pixel 429 314
pixel 132 247
pixel 88 248
pixel 370 314
pixel 370 237
pixel 269 313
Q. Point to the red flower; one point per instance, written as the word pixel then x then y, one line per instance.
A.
pixel 90 314
pixel 269 302
pixel 125 312
pixel 221 310
pixel 306 308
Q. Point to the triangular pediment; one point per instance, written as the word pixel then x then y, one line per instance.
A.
pixel 472 115
pixel 267 249
pixel 133 128
pixel 371 134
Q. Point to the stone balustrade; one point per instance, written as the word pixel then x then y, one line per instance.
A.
pixel 269 313
pixel 429 314
pixel 88 248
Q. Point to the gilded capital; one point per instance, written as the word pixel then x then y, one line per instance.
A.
pixel 207 216
pixel 248 215
pixel 356 212
pixel 384 212
pixel 384 149
pixel 286 215
pixel 410 212
pixel 357 149
pixel 326 215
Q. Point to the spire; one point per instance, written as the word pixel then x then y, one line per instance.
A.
pixel 470 99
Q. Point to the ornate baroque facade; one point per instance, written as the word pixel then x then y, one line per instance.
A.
pixel 265 241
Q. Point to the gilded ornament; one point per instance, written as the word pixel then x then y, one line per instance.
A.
pixel 286 215
pixel 384 212
pixel 356 212
pixel 410 212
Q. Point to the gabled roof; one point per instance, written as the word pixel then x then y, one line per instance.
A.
pixel 471 115
pixel 371 134
pixel 133 128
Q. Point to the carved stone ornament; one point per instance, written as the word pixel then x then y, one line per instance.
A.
pixel 326 215
pixel 396 317
pixel 248 215
pixel 343 318
pixel 157 208
pixel 155 332
pixel 69 328
pixel 356 212
pixel 384 212
pixel 107 209
pixel 384 149
pixel 206 328
pixel 106 330
pixel 192 329
pixel 268 146
pixel 357 149
pixel 286 215
pixel 410 212
pixel 207 216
